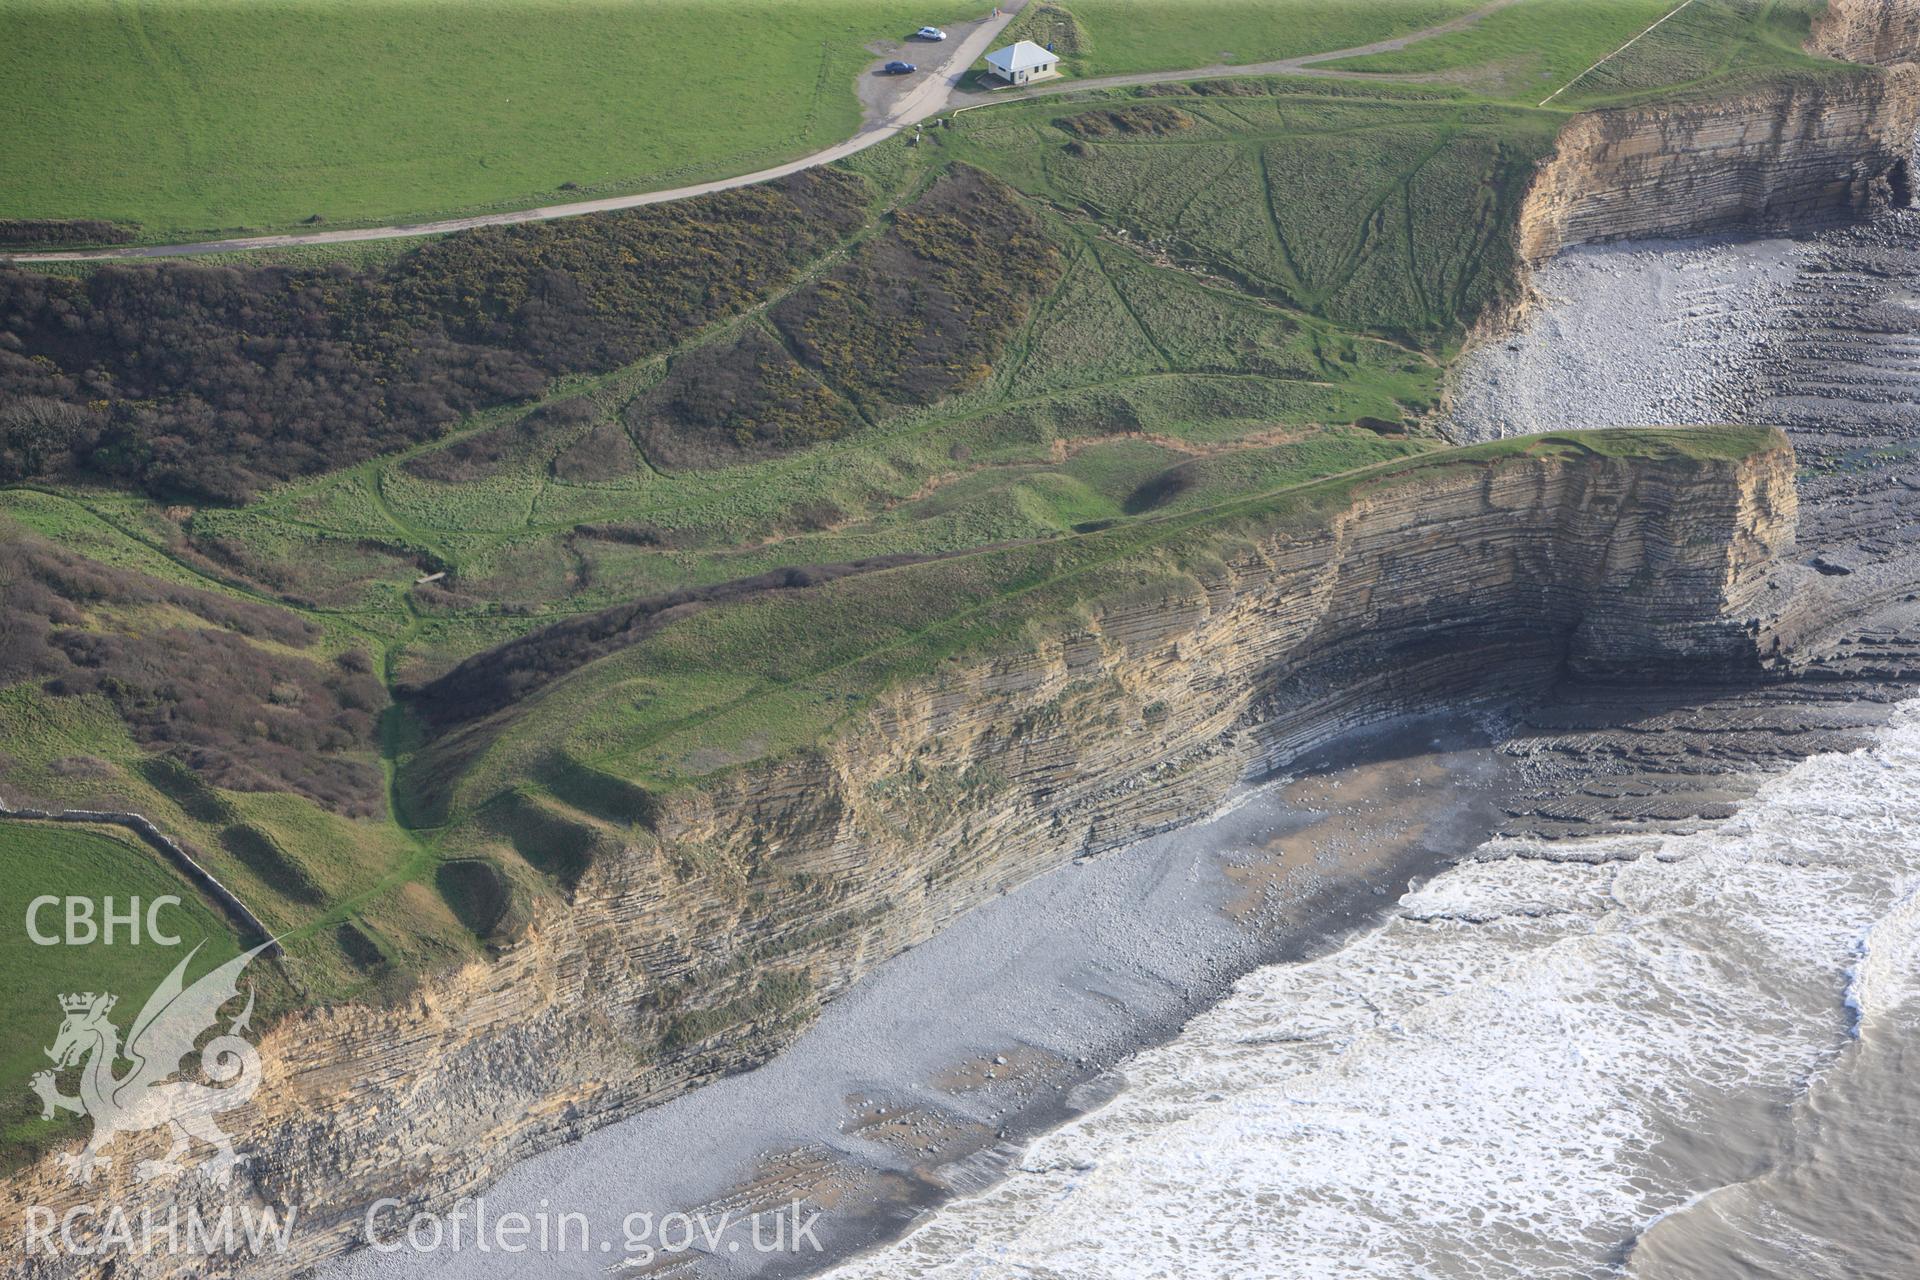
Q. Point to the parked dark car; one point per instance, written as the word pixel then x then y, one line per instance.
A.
pixel 899 68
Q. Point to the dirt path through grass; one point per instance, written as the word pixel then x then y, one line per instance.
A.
pixel 939 92
pixel 1304 65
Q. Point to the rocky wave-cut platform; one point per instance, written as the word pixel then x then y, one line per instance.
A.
pixel 1817 333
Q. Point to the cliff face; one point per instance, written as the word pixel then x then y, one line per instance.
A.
pixel 1799 153
pixel 729 914
pixel 1876 31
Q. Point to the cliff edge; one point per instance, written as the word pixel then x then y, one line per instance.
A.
pixel 1793 153
pixel 705 925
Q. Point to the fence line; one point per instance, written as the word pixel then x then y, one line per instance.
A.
pixel 1610 57
pixel 203 879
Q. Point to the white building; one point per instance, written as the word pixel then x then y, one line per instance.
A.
pixel 1023 62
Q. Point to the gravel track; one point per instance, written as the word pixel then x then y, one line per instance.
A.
pixel 939 91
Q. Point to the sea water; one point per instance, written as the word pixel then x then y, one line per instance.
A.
pixel 1663 1057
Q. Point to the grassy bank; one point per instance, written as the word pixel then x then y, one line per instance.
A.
pixel 1122 362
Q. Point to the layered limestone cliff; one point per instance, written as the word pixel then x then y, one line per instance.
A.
pixel 714 922
pixel 1875 31
pixel 1798 153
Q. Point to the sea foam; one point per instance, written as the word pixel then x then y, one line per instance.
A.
pixel 1545 1049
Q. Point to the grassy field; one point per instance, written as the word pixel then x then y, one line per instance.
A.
pixel 1113 37
pixel 37 859
pixel 193 115
pixel 1518 54
pixel 1527 51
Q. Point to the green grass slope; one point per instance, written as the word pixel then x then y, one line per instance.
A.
pixel 1387 212
pixel 779 671
pixel 1005 363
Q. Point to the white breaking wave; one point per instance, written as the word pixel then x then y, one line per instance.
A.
pixel 1887 977
pixel 1544 1050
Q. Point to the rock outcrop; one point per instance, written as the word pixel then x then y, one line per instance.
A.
pixel 717 920
pixel 1874 31
pixel 1802 153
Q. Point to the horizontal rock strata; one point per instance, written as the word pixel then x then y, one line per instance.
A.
pixel 712 925
pixel 1801 153
pixel 1876 31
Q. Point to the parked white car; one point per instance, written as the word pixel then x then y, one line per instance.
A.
pixel 929 33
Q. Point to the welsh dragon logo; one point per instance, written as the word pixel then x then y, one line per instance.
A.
pixel 157 1044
